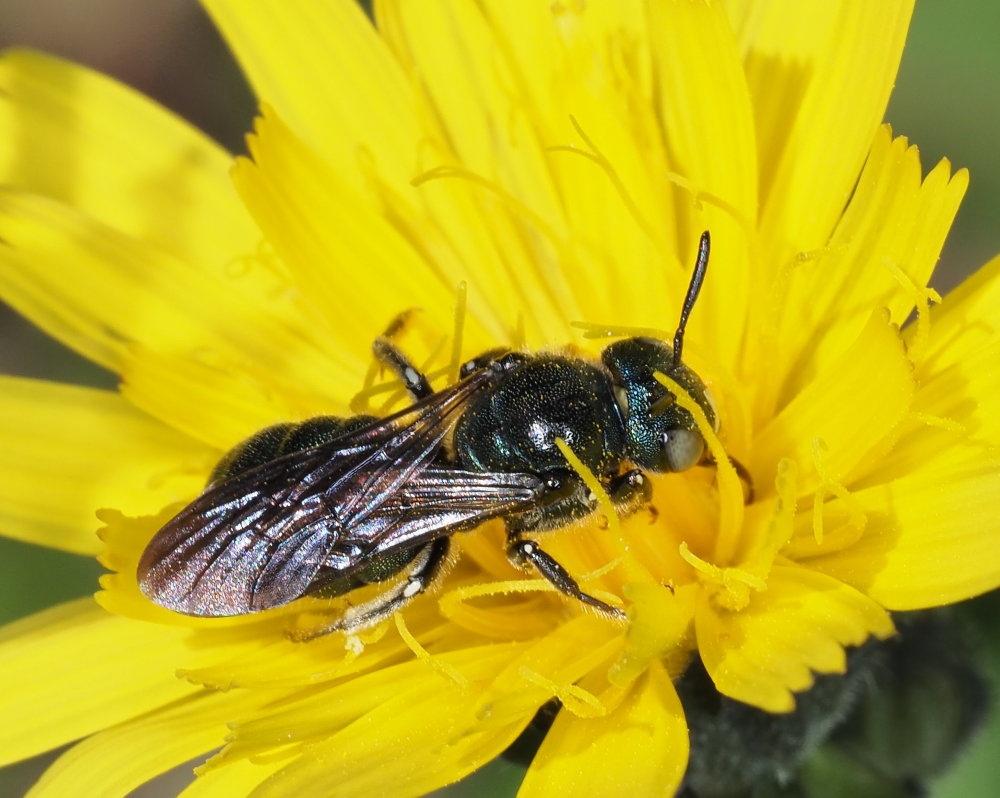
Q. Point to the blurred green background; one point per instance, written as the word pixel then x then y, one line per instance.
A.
pixel 946 100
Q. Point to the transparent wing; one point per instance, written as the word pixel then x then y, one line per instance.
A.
pixel 258 539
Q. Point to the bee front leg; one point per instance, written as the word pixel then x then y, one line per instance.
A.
pixel 523 552
pixel 629 491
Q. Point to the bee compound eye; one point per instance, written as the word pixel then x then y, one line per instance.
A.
pixel 682 448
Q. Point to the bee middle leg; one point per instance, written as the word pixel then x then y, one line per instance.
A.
pixel 393 358
pixel 571 501
pixel 523 551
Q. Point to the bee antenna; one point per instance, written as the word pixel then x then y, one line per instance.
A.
pixel 692 293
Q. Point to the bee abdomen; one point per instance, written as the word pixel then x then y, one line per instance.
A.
pixel 281 439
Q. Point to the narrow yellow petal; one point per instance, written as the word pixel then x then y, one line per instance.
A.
pixel 641 748
pixel 119 759
pixel 82 138
pixel 707 123
pixel 966 321
pixel 101 292
pixel 69 451
pixel 329 75
pixel 120 669
pixel 834 74
pixel 583 74
pixel 799 625
pixel 334 241
pixel 216 404
pixel 408 707
pixel 498 141
pixel 881 254
pixel 955 415
pixel 237 778
pixel 847 412
pixel 932 537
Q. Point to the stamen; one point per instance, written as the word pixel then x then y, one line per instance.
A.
pixel 594 485
pixel 556 288
pixel 857 519
pixel 782 522
pixel 735 583
pixel 699 196
pixel 574 698
pixel 730 488
pixel 922 298
pixel 597 157
pixel 444 669
pixel 947 424
pixel 633 569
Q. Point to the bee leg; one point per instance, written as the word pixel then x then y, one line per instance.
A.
pixel 630 491
pixel 482 361
pixel 425 568
pixel 523 551
pixel 392 357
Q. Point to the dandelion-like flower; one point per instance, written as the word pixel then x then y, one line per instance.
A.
pixel 528 175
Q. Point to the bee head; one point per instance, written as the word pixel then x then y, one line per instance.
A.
pixel 662 435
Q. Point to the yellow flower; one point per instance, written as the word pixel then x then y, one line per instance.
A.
pixel 560 160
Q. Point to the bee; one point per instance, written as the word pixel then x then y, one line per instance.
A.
pixel 329 505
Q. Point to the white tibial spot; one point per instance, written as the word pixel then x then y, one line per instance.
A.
pixel 412 377
pixel 354 645
pixel 413 588
pixel 528 548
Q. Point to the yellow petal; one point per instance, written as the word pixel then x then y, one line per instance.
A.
pixel 641 748
pixel 499 142
pixel 75 669
pixel 820 80
pixel 707 122
pixel 932 537
pixel 881 254
pixel 119 759
pixel 101 292
pixel 120 158
pixel 236 778
pixel 205 398
pixel 330 77
pixel 845 415
pixel 69 451
pixel 355 733
pixel 966 321
pixel 799 624
pixel 334 242
pixel 584 96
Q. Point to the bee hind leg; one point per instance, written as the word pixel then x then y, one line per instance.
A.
pixel 425 568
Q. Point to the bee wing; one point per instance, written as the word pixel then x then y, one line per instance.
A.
pixel 258 539
pixel 440 501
